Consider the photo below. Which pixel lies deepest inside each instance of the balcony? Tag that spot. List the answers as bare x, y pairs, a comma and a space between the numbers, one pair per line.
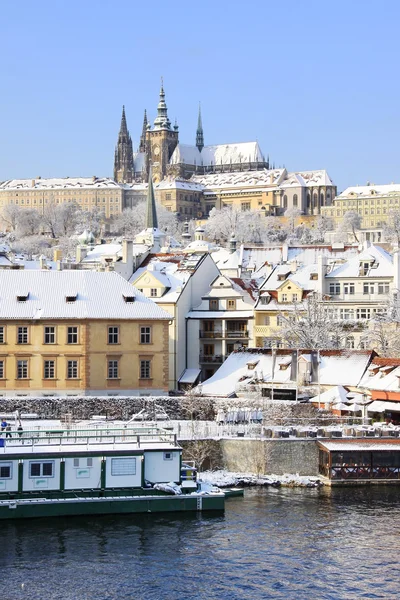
218, 334
213, 358
262, 330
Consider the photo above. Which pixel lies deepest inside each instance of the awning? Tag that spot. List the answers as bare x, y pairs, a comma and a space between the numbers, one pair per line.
190, 376
381, 406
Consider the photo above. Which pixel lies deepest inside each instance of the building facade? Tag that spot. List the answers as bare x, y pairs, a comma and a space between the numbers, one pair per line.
79, 333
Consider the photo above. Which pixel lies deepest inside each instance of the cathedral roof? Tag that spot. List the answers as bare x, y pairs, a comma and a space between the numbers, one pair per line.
215, 155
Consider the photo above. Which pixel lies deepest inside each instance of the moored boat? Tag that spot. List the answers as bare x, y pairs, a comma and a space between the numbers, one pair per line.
97, 471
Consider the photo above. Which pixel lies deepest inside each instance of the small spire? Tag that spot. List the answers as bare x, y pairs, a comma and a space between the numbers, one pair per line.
151, 210
124, 127
199, 132
142, 144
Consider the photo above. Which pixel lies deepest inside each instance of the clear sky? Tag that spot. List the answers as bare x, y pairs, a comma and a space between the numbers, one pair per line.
316, 82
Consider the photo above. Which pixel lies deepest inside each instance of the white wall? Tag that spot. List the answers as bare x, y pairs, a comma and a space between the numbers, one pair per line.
10, 485
124, 480
82, 477
159, 470
41, 483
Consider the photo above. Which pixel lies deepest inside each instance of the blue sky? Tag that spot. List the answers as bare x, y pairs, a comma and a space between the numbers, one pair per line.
316, 82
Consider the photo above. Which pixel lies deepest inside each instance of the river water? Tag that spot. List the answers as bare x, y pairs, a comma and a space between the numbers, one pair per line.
274, 543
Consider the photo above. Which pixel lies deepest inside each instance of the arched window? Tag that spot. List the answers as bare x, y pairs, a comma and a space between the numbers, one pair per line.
308, 200
295, 200
315, 199
285, 201
322, 199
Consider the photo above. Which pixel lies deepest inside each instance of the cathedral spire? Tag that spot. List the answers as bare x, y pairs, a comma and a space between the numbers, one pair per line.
161, 121
151, 210
123, 158
199, 132
142, 145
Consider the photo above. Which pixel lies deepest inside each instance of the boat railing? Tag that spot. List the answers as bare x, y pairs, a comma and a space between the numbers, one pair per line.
86, 436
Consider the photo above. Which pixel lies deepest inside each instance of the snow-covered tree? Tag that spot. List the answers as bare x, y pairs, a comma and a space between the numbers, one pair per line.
10, 216
351, 222
311, 324
248, 226
292, 214
391, 228
32, 245
132, 220
29, 222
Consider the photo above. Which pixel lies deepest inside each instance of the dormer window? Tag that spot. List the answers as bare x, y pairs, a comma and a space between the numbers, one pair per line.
71, 298
129, 299
22, 297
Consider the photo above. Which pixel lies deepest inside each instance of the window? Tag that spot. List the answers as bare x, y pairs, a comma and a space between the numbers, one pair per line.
168, 196
285, 201
145, 335
22, 369
113, 369
295, 200
83, 462
368, 288
22, 335
284, 298
113, 335
280, 321
213, 304
41, 469
168, 456
145, 369
363, 313
246, 206
295, 298
49, 335
231, 304
2, 336
347, 314
123, 466
153, 292
315, 199
267, 320
1, 369
49, 369
348, 288
349, 342
5, 470
334, 289
72, 335
72, 369
383, 288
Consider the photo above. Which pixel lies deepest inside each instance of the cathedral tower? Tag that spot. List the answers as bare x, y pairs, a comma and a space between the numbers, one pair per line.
123, 159
161, 141
199, 133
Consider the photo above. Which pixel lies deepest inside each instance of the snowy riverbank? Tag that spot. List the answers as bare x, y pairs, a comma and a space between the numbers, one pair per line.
224, 479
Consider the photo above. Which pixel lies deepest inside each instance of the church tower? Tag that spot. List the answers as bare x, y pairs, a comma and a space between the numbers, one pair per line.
123, 159
142, 144
162, 140
199, 133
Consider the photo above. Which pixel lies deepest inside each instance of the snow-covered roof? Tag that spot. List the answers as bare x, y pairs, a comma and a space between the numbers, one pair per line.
216, 155
189, 375
114, 251
381, 264
301, 278
170, 183
201, 246
307, 179
355, 445
336, 368
367, 191
382, 377
98, 296
329, 396
59, 183
263, 177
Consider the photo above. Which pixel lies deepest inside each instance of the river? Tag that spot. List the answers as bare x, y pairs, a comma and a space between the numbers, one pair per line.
273, 543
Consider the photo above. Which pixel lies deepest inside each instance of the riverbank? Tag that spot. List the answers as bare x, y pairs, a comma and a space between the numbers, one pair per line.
224, 479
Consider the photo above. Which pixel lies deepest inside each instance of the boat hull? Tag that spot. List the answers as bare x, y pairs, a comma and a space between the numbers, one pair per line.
23, 509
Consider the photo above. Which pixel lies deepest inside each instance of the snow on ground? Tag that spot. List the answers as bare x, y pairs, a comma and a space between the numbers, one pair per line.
228, 479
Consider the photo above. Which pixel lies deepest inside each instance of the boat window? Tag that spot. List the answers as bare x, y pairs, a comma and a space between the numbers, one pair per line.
123, 466
41, 469
5, 470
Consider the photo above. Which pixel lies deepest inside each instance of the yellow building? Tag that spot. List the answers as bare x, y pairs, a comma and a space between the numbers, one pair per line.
79, 333
88, 192
372, 202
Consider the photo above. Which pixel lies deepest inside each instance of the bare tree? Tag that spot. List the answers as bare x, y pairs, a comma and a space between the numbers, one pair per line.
10, 215
391, 227
29, 222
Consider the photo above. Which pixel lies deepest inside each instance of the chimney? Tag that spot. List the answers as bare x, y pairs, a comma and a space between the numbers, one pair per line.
81, 252
59, 265
33, 183
396, 269
321, 270
57, 254
232, 243
293, 266
284, 253
42, 262
127, 251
